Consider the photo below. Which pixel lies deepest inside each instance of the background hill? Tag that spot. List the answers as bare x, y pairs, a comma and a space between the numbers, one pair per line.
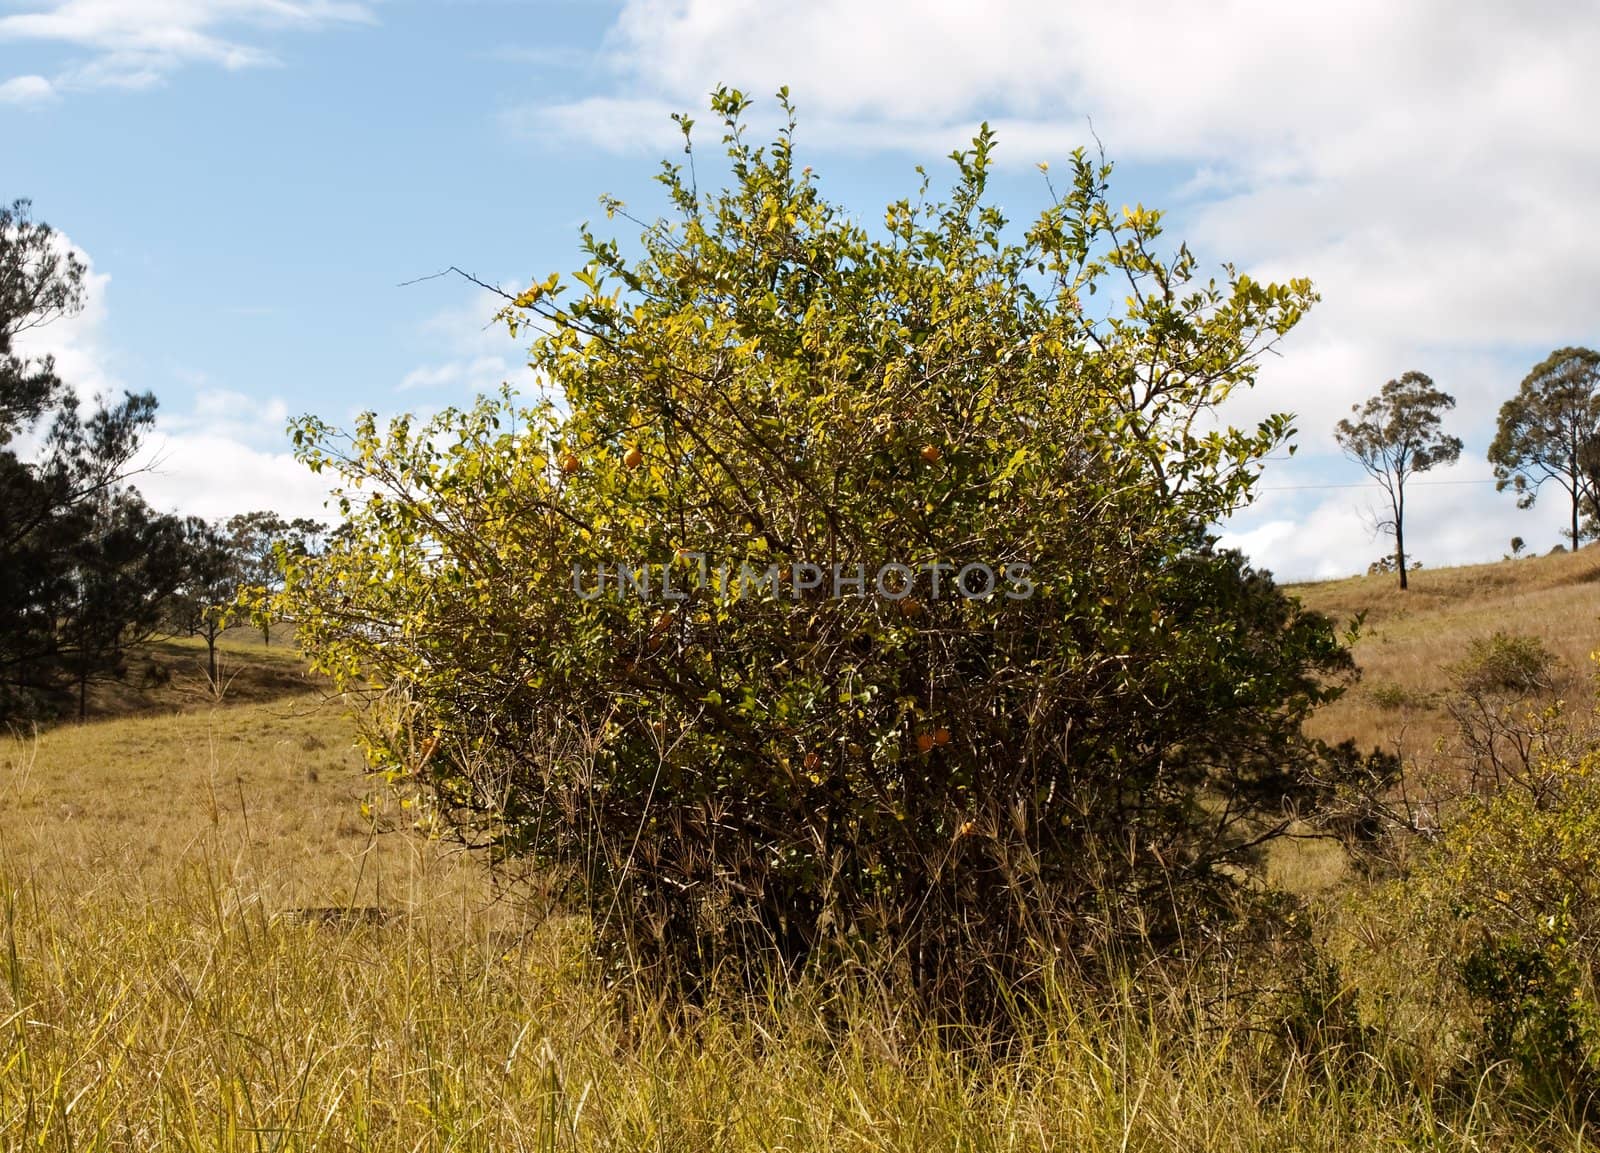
1409, 639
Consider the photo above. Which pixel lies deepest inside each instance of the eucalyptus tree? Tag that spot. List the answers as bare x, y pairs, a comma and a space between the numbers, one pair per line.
1395, 435
1550, 430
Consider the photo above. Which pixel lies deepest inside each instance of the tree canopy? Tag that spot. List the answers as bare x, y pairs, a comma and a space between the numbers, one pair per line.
40, 281
1550, 430
1395, 435
87, 564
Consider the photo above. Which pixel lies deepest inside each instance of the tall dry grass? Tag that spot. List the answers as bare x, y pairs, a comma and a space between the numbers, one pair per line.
1410, 639
157, 993
183, 1016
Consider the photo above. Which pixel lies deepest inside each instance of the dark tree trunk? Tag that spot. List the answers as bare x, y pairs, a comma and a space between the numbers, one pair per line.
1400, 539
1575, 489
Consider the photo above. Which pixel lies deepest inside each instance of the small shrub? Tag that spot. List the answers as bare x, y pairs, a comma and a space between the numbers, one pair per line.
1387, 564
1508, 903
1535, 1012
1506, 663
1321, 1018
1507, 716
1392, 696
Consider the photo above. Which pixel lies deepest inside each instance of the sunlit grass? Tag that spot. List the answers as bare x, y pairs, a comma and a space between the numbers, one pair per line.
1410, 638
156, 993
184, 1016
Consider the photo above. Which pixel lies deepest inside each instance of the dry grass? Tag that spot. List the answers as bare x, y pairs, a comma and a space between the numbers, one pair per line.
154, 996
170, 675
271, 796
1410, 638
181, 1016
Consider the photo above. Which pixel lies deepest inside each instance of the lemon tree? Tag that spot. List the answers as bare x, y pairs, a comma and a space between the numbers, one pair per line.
855, 592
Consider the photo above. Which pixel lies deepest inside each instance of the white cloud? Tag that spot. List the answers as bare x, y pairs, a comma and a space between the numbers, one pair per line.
226, 453
215, 475
432, 376
482, 374
477, 352
1161, 78
26, 90
610, 123
622, 125
138, 43
1429, 165
542, 55
1330, 529
223, 413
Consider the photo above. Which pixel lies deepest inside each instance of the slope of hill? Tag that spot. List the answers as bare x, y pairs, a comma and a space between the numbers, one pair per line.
1409, 639
261, 780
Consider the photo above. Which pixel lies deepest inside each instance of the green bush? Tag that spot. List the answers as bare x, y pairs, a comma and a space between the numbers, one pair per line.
1392, 696
970, 786
1505, 663
1509, 904
1507, 716
1535, 1012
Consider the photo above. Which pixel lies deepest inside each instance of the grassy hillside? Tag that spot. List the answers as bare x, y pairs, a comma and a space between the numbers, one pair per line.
157, 990
169, 675
1411, 638
261, 782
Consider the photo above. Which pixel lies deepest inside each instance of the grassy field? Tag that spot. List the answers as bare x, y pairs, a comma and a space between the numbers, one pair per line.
1410, 638
264, 784
162, 985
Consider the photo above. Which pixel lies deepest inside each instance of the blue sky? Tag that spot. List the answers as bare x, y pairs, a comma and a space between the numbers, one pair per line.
252, 180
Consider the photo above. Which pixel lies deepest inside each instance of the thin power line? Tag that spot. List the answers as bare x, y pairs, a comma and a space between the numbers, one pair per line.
1366, 484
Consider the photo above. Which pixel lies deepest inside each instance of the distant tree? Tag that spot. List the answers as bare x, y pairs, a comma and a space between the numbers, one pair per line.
84, 559
306, 537
213, 578
122, 573
1550, 430
1395, 435
255, 537
263, 542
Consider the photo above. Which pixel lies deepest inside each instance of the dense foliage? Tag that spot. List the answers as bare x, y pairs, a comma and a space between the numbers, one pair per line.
1550, 430
1508, 907
767, 768
87, 566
